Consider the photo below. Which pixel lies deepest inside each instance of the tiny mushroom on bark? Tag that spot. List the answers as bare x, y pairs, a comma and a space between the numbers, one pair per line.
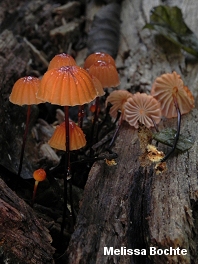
24, 93
39, 175
175, 99
142, 108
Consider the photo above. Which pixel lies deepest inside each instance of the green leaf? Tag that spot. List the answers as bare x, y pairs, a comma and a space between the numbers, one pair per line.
168, 21
167, 136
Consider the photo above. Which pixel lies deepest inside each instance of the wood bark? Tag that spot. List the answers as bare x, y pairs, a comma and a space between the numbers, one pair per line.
127, 205
24, 238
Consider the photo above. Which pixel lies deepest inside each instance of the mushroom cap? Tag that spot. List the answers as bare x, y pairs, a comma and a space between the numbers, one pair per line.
60, 60
39, 175
98, 56
76, 137
117, 98
165, 88
106, 73
142, 108
24, 91
97, 85
68, 85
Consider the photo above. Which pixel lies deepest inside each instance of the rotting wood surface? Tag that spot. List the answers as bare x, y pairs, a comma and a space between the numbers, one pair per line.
23, 237
130, 206
127, 205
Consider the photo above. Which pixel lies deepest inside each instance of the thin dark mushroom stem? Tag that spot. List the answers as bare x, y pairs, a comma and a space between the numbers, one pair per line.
23, 144
93, 138
72, 203
67, 167
119, 118
178, 131
155, 125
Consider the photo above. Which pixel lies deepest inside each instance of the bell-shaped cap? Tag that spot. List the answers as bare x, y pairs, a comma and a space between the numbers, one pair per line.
142, 108
98, 86
168, 87
117, 99
24, 91
60, 60
98, 56
76, 137
106, 73
67, 86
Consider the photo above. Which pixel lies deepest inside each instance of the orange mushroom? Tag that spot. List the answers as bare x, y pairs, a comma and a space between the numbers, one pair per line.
106, 73
39, 175
67, 86
77, 137
60, 60
175, 98
98, 56
142, 108
24, 93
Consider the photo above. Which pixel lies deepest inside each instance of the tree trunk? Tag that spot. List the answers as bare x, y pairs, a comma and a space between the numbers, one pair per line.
128, 205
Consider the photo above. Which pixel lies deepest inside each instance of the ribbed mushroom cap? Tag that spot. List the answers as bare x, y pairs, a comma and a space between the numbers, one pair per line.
39, 175
168, 86
97, 85
142, 108
24, 91
76, 137
67, 86
117, 99
98, 56
60, 60
106, 73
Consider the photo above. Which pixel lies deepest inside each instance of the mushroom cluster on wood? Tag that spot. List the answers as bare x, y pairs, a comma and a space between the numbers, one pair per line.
67, 86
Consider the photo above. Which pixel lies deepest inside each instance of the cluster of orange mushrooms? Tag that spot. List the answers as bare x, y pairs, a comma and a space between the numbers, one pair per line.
67, 84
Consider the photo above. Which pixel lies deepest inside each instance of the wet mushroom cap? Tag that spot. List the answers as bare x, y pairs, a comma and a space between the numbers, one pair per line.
117, 99
60, 60
67, 86
98, 56
106, 73
24, 91
142, 108
76, 137
39, 175
98, 86
169, 86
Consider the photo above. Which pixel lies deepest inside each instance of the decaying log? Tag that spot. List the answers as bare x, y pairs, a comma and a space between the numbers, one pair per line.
23, 237
127, 205
130, 206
